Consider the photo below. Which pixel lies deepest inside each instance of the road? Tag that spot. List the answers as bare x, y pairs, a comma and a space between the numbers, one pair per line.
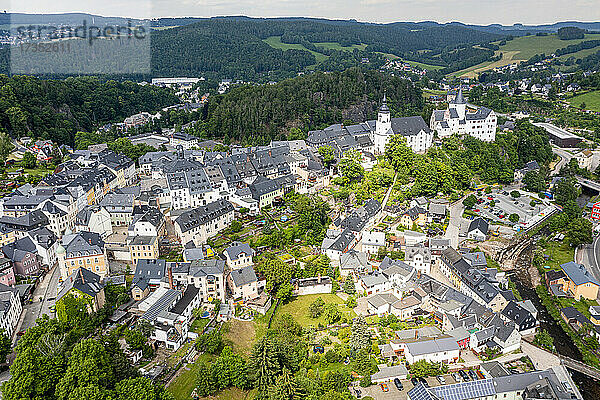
43, 298
565, 157
452, 231
589, 255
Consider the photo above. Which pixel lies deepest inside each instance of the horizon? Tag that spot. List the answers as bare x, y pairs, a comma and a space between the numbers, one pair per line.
469, 12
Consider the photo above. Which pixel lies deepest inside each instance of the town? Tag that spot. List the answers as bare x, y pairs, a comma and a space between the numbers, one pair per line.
298, 208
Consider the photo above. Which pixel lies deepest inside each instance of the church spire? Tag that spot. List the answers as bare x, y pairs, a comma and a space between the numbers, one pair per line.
384, 106
459, 99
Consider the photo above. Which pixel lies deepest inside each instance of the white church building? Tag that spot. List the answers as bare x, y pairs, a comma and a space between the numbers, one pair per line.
480, 124
419, 137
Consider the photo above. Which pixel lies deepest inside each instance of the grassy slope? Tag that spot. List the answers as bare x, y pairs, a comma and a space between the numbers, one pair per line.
275, 41
591, 100
523, 48
298, 308
337, 46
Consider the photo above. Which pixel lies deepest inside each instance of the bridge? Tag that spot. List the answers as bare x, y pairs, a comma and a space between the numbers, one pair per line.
543, 359
580, 367
595, 186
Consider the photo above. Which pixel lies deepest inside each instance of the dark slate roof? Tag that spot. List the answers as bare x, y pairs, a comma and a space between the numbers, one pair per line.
578, 273
520, 316
203, 214
83, 280
189, 295
409, 126
237, 248
459, 98
481, 113
262, 186
82, 244
479, 223
147, 270
243, 276
15, 251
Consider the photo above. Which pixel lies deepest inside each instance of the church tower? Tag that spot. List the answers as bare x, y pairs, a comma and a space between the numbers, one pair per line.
383, 127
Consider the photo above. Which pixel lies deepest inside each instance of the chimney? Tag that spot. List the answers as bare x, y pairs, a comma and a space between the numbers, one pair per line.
319, 279
170, 274
81, 274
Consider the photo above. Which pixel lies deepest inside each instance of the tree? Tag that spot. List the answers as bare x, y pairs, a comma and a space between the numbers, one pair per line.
514, 218
579, 232
470, 201
544, 339
534, 181
349, 287
327, 155
6, 146
205, 385
269, 357
360, 336
423, 368
399, 155
29, 161
316, 308
332, 313
141, 388
211, 343
515, 194
285, 387
5, 346
89, 364
350, 167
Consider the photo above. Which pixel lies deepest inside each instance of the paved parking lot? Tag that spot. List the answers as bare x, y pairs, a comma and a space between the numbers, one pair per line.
506, 205
393, 393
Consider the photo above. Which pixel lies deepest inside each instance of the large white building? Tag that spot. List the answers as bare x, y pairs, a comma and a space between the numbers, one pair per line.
418, 135
480, 124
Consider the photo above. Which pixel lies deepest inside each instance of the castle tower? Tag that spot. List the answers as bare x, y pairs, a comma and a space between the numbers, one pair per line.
459, 104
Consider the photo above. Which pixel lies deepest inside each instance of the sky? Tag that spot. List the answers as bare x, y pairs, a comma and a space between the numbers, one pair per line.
480, 12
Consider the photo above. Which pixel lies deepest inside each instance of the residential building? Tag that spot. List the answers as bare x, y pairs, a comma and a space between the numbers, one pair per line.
201, 223
82, 250
243, 283
580, 282
83, 285
372, 242
143, 247
239, 255
444, 350
10, 309
24, 257
478, 229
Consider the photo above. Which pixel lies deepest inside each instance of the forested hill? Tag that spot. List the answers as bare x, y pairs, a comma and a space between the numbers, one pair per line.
259, 114
57, 109
236, 47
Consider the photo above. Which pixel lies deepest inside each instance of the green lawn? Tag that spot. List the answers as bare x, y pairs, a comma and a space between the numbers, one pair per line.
275, 41
528, 46
580, 54
582, 306
559, 253
591, 100
183, 385
337, 46
298, 308
429, 67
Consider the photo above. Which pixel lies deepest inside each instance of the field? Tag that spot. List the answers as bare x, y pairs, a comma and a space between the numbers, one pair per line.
591, 100
337, 46
523, 48
559, 252
275, 41
241, 334
429, 67
298, 308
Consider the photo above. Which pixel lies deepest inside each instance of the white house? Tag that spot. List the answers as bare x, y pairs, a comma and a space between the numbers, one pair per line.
239, 255
372, 242
444, 350
478, 229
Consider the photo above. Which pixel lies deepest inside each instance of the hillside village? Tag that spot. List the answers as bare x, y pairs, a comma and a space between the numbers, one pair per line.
182, 242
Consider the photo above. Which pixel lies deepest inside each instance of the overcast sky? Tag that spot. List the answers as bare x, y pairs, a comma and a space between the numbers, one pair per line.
505, 12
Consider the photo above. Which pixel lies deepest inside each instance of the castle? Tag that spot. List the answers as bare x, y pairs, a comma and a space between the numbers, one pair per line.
480, 124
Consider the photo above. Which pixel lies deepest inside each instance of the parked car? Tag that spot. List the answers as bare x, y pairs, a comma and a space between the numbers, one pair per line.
414, 381
398, 384
456, 377
472, 375
384, 387
424, 382
441, 379
464, 375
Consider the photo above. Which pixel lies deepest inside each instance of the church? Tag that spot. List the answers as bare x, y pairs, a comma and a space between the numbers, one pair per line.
418, 135
480, 124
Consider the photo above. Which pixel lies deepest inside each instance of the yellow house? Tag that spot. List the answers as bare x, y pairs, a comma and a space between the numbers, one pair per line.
143, 247
414, 215
580, 283
82, 250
